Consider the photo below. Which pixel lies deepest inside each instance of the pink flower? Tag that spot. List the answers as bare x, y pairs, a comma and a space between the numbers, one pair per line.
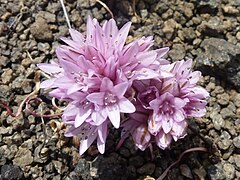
109, 102
141, 137
100, 77
168, 109
94, 74
87, 133
163, 140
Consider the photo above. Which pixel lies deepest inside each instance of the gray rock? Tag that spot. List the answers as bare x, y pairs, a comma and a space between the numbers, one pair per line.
227, 112
3, 28
236, 100
136, 161
41, 30
237, 160
60, 167
132, 172
218, 121
49, 17
189, 34
216, 172
219, 52
161, 7
23, 157
144, 13
6, 131
225, 141
236, 142
44, 47
214, 27
169, 28
228, 9
177, 52
223, 99
112, 167
230, 127
4, 61
186, 171
234, 2
83, 169
147, 169
125, 152
208, 3
223, 57
6, 76
229, 171
11, 172
200, 173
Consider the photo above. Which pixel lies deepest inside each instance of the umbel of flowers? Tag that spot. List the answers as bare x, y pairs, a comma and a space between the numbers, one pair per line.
101, 77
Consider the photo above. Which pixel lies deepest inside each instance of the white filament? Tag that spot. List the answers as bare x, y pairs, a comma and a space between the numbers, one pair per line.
65, 13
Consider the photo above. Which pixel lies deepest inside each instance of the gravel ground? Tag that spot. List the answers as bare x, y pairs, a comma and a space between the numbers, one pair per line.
208, 31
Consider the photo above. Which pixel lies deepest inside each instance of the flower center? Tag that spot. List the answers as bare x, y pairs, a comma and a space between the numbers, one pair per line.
166, 108
109, 99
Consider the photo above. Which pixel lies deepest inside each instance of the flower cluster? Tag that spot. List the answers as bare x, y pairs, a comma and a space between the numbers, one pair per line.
100, 77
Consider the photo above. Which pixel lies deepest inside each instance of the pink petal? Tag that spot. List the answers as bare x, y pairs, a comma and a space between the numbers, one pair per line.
194, 77
100, 146
100, 39
96, 98
163, 140
178, 116
106, 85
64, 82
125, 106
110, 28
162, 51
69, 67
74, 88
167, 125
82, 115
102, 132
178, 129
70, 110
73, 44
49, 68
145, 73
49, 83
114, 115
77, 36
72, 131
57, 93
99, 116
90, 29
179, 103
154, 126
141, 137
84, 144
120, 89
147, 58
129, 54
122, 36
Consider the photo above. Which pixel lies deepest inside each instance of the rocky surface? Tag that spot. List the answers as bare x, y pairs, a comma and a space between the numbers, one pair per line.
205, 30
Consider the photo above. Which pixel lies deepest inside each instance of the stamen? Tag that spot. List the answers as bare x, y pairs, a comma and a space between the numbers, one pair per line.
109, 99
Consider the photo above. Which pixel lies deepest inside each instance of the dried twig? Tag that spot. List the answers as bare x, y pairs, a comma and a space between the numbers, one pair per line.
27, 99
106, 7
54, 105
36, 114
180, 158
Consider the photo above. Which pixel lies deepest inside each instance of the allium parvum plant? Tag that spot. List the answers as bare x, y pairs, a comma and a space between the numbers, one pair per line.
100, 77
